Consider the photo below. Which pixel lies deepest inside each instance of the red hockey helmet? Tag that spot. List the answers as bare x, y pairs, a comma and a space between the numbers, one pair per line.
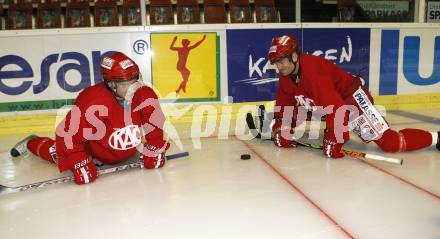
119, 67
282, 46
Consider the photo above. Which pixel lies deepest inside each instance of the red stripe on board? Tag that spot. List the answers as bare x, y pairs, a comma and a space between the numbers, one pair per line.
298, 190
401, 179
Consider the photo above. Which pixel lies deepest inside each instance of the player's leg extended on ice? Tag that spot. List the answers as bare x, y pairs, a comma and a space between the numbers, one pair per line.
393, 141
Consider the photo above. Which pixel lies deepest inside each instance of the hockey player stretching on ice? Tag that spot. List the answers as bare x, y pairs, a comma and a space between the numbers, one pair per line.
316, 84
106, 123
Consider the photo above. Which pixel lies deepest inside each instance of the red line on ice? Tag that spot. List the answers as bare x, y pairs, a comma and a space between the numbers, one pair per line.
296, 188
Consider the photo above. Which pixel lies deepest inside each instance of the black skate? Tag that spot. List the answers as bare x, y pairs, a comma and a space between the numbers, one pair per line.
21, 147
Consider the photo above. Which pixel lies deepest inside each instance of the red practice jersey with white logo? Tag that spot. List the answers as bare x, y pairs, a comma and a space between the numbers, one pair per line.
98, 126
320, 83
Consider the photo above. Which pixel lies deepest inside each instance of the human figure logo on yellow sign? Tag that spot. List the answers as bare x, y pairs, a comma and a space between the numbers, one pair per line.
183, 53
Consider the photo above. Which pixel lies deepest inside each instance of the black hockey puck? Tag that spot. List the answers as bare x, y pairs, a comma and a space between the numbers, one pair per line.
14, 153
245, 157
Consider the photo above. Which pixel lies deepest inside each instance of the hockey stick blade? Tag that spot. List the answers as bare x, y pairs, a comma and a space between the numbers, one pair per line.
6, 190
251, 125
261, 116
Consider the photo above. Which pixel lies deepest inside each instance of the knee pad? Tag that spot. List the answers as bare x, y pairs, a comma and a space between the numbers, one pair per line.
392, 141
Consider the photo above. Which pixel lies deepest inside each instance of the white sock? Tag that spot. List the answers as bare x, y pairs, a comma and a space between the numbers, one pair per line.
434, 138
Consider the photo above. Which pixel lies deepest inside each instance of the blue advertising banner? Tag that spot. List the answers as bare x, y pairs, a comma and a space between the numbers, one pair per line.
348, 48
250, 75
252, 78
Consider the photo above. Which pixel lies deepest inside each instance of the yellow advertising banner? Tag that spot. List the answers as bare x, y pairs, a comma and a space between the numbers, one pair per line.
186, 66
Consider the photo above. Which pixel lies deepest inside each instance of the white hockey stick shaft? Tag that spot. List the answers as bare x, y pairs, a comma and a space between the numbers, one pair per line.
382, 158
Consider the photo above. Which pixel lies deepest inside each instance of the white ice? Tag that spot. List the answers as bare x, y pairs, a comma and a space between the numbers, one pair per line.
278, 193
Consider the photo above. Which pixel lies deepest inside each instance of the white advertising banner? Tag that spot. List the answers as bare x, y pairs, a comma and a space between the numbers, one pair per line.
405, 61
433, 12
419, 61
54, 67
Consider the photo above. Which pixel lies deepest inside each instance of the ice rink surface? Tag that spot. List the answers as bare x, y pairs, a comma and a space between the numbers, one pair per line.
278, 193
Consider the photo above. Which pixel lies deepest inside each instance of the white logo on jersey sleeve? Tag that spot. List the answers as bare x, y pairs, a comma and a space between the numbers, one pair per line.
125, 138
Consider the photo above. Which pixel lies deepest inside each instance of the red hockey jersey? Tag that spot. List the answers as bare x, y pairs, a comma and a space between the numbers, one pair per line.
319, 83
98, 126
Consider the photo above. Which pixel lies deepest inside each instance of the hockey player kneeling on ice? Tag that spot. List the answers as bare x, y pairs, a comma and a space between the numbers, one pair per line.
312, 83
107, 122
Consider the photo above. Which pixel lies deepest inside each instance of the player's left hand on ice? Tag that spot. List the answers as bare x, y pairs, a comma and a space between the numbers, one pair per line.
332, 149
153, 154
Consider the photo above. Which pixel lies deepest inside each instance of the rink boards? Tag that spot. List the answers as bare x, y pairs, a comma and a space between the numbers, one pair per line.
41, 71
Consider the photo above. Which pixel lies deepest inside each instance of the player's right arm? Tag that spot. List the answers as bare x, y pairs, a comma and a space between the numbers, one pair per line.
71, 144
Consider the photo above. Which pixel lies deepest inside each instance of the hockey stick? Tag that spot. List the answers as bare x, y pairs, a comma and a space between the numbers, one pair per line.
6, 190
351, 153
